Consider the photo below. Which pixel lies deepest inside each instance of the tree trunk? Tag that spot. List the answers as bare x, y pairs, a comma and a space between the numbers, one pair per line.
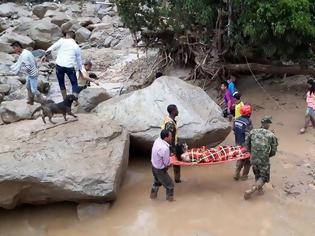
270, 69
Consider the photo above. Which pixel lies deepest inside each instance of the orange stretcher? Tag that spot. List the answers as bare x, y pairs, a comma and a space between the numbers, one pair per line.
221, 156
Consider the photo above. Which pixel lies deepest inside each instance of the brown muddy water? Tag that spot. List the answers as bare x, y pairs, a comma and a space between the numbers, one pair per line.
208, 202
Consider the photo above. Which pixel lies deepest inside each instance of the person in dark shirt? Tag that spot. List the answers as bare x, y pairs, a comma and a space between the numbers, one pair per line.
242, 126
170, 124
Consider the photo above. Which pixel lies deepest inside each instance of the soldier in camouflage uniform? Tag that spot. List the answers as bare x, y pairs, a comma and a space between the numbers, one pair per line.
171, 125
262, 144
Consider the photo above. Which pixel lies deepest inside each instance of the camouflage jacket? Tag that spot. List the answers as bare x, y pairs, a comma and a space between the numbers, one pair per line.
262, 144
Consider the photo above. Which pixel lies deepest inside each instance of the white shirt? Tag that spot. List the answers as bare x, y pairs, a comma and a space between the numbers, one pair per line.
69, 53
27, 61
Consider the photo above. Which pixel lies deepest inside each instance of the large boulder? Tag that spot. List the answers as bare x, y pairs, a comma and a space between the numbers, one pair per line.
89, 98
44, 33
200, 120
11, 37
13, 111
82, 35
4, 89
80, 161
8, 9
12, 81
57, 17
6, 47
41, 9
6, 58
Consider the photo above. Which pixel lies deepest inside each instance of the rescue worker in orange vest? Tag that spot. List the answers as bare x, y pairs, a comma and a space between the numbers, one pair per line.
170, 124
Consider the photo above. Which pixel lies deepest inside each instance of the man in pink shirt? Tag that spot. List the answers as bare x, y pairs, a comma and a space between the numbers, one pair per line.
160, 159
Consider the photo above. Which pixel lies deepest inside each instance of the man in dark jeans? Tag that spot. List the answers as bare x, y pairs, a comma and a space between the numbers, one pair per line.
170, 124
68, 57
160, 159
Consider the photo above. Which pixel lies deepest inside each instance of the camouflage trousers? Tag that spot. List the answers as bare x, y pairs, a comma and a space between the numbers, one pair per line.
262, 171
243, 164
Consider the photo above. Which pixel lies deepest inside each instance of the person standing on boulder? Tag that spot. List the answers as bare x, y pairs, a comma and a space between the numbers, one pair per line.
68, 57
229, 109
27, 60
160, 159
170, 124
262, 144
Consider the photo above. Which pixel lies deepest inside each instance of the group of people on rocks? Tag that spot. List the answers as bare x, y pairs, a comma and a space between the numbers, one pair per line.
261, 143
68, 62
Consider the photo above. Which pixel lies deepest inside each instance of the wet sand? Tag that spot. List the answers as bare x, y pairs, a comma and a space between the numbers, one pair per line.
208, 202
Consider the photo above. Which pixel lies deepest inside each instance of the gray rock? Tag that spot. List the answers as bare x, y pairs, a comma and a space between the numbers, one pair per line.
5, 89
101, 26
82, 35
114, 42
8, 9
13, 111
108, 41
1, 99
12, 81
96, 36
86, 21
89, 98
19, 94
57, 17
87, 210
44, 33
6, 58
125, 43
41, 9
10, 37
39, 167
67, 25
200, 120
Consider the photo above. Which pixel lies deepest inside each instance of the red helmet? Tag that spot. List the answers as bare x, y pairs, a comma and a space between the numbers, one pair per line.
246, 110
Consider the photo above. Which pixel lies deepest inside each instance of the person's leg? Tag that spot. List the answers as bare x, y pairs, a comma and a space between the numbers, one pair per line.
33, 81
263, 176
167, 183
60, 72
73, 79
177, 174
30, 95
307, 121
246, 165
239, 166
156, 184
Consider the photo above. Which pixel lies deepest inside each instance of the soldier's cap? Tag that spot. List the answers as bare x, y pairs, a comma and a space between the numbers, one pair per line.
266, 120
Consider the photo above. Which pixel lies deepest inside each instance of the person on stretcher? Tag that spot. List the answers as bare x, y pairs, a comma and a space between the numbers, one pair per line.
207, 155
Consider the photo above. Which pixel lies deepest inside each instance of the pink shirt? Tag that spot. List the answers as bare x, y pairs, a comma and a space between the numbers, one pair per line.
310, 100
160, 156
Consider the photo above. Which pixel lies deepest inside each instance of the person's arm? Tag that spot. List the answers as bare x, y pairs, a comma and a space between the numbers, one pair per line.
273, 145
86, 76
16, 67
165, 153
54, 47
78, 58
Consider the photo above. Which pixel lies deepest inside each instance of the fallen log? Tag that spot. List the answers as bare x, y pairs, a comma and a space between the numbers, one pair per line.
270, 69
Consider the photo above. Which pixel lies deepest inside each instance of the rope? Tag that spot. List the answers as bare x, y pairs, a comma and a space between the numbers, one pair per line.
260, 85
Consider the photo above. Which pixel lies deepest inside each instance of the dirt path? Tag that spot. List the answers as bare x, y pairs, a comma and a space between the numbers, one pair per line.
208, 202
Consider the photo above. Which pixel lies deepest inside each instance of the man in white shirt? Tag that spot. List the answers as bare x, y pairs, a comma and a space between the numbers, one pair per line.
27, 61
68, 57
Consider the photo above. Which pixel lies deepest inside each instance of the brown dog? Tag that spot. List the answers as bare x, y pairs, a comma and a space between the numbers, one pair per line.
51, 108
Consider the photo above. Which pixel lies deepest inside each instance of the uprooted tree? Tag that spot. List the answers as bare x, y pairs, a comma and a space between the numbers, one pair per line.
227, 36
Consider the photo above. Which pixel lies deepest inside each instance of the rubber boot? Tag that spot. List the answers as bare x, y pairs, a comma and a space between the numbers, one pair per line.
177, 174
30, 97
170, 195
63, 93
259, 184
154, 193
236, 177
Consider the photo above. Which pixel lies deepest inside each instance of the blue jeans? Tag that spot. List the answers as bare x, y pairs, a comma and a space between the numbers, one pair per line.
31, 84
70, 72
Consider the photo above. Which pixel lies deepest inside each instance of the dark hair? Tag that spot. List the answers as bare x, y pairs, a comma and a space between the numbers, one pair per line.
237, 95
16, 44
70, 34
310, 82
158, 74
312, 88
164, 133
171, 108
225, 83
